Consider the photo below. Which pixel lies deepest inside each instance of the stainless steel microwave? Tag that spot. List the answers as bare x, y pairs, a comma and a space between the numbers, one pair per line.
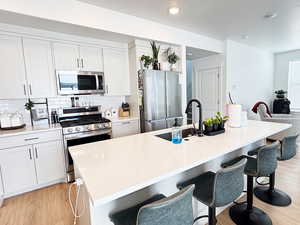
80, 82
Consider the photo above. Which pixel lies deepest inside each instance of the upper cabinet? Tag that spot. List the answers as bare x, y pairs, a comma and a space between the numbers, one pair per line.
39, 68
12, 70
91, 58
116, 71
75, 57
66, 56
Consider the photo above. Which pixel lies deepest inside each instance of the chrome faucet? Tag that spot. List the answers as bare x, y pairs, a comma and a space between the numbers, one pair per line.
188, 109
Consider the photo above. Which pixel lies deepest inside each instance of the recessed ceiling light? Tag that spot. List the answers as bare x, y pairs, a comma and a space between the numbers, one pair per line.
245, 37
174, 10
270, 15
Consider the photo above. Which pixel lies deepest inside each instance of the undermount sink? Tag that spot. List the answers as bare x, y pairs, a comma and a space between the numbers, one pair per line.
185, 134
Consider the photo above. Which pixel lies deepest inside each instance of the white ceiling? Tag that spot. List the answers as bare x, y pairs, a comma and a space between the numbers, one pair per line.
222, 19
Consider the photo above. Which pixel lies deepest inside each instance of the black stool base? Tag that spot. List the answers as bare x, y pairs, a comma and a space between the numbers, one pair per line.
241, 216
272, 197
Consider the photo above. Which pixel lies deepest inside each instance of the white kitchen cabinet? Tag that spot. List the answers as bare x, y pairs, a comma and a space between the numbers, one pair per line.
91, 58
12, 70
116, 72
125, 128
39, 68
17, 169
66, 56
49, 160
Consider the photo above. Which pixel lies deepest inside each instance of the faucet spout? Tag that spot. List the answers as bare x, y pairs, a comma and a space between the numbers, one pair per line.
188, 109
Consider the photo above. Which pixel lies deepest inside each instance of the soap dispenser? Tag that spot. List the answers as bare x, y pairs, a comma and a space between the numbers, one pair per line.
176, 133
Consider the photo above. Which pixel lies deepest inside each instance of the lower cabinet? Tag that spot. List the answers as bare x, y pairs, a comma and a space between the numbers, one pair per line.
28, 167
17, 169
125, 128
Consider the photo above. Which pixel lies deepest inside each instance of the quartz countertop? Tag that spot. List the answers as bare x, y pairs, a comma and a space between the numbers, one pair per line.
114, 168
30, 129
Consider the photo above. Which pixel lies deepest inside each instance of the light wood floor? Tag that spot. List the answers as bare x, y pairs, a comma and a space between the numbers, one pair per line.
49, 206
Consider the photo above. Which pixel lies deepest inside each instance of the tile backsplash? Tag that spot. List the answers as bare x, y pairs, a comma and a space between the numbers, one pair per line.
107, 102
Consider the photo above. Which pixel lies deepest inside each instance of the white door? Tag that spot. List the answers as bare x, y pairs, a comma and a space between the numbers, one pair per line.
12, 69
39, 68
116, 72
207, 90
17, 169
49, 158
66, 56
91, 58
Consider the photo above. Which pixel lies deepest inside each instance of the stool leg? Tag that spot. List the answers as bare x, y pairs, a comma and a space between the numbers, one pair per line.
247, 214
212, 220
271, 195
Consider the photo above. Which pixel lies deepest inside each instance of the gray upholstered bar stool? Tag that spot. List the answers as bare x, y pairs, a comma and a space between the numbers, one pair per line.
218, 189
270, 194
264, 164
176, 210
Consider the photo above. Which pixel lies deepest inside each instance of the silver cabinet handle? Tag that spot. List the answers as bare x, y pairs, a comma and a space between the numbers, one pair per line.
24, 88
124, 123
36, 153
78, 63
31, 139
106, 87
82, 63
30, 156
30, 90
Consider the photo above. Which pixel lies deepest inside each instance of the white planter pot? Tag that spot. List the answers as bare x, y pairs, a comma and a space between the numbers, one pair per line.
173, 67
165, 66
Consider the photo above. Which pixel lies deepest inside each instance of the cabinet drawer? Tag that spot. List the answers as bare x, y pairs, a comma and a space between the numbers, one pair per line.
125, 128
29, 139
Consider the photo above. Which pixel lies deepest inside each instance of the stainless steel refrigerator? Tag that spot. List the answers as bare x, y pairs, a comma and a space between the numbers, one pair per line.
160, 94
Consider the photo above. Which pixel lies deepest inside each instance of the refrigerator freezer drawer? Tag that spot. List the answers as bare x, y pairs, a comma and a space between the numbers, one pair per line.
155, 125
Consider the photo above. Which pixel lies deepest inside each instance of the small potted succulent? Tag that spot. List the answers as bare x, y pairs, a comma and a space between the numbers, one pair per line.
155, 52
146, 61
172, 58
208, 124
221, 120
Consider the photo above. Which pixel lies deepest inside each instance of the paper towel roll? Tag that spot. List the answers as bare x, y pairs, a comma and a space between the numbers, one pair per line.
234, 113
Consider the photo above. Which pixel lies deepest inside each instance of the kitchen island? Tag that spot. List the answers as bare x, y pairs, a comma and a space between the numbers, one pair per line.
121, 172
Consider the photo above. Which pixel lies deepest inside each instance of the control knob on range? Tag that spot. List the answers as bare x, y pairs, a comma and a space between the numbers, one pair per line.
77, 129
70, 130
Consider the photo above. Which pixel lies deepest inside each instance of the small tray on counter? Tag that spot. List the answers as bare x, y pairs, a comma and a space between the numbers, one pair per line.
13, 128
213, 133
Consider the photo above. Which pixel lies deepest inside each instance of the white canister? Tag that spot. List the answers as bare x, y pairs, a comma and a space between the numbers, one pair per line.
234, 114
114, 113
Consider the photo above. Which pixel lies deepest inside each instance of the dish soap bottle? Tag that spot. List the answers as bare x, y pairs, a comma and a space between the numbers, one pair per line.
176, 133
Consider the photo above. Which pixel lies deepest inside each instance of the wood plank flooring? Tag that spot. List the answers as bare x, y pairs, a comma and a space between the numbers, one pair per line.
50, 206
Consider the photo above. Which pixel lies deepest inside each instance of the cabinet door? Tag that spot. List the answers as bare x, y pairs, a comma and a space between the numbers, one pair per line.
116, 72
66, 56
91, 58
39, 68
12, 69
49, 159
17, 168
125, 128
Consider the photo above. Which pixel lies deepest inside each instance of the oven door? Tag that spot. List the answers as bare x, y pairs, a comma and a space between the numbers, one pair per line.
80, 139
74, 82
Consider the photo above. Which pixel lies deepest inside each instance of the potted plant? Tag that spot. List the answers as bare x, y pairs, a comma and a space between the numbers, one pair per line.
221, 120
215, 122
208, 124
280, 93
146, 60
172, 58
155, 52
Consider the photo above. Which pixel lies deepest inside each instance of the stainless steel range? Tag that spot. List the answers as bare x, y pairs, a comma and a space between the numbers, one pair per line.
82, 125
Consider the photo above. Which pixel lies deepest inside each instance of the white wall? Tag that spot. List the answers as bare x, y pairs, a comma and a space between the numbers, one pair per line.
87, 15
281, 68
249, 72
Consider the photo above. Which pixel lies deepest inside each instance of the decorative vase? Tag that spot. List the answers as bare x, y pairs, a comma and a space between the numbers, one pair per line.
155, 64
208, 129
173, 67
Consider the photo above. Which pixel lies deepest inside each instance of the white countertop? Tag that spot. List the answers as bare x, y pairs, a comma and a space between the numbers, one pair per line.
29, 129
114, 168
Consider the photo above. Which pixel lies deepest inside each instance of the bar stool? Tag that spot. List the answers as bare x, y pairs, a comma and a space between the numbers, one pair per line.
270, 194
218, 189
264, 164
176, 210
